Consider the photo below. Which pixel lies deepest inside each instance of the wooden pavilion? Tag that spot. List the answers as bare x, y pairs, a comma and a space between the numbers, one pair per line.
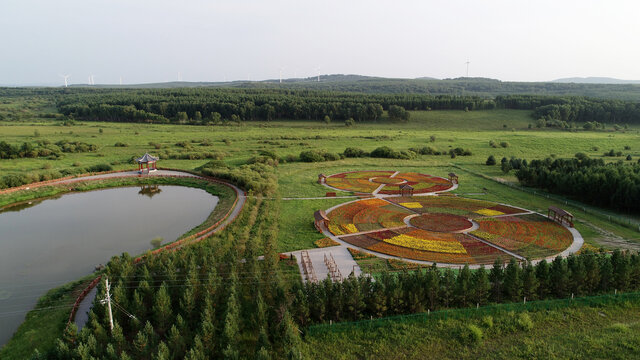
148, 160
322, 178
406, 190
320, 220
562, 216
453, 178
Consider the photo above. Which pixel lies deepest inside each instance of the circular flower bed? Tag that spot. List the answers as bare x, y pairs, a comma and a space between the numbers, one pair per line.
439, 222
387, 180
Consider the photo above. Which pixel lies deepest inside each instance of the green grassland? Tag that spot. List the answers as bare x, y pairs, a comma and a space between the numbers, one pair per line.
238, 143
579, 332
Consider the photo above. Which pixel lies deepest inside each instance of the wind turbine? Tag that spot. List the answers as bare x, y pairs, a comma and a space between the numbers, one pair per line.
120, 80
318, 69
467, 67
91, 81
66, 80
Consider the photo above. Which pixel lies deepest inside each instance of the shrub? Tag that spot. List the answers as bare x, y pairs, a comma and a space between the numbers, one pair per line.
629, 157
491, 160
388, 153
99, 168
398, 113
349, 122
627, 147
493, 144
432, 138
470, 335
504, 144
524, 321
352, 152
157, 241
327, 119
487, 321
318, 156
581, 156
120, 144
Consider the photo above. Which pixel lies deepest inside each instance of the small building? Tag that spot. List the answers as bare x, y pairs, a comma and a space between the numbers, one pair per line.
148, 160
406, 190
322, 178
320, 220
562, 216
453, 178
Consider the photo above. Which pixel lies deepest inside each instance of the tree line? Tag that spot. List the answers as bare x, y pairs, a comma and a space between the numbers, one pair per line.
574, 109
614, 185
202, 106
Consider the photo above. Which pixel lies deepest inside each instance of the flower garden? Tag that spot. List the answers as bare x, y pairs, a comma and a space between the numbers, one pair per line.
387, 182
442, 228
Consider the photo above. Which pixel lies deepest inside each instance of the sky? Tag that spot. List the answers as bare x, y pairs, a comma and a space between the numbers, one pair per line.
142, 41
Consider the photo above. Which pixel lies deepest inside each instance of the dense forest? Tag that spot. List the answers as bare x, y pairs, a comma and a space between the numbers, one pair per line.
614, 185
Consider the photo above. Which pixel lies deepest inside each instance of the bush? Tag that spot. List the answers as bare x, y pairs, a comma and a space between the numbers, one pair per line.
99, 168
504, 144
524, 322
629, 157
432, 138
426, 150
120, 144
493, 144
318, 156
388, 153
398, 113
491, 160
581, 156
349, 122
352, 152
470, 335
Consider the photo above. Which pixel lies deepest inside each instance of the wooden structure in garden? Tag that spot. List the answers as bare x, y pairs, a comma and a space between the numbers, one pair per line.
322, 178
406, 190
149, 190
320, 220
334, 271
148, 160
453, 178
561, 216
307, 267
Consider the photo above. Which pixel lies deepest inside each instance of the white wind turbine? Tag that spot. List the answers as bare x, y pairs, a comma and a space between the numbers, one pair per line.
66, 80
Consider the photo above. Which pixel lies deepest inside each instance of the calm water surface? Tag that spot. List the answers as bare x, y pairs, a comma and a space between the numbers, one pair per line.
54, 241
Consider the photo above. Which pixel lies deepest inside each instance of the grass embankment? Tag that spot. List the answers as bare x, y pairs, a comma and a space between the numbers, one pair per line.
577, 332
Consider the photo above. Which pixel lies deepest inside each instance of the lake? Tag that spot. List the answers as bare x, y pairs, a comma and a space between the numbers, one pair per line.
53, 241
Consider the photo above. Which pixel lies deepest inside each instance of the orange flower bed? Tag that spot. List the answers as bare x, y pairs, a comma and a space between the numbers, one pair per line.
369, 181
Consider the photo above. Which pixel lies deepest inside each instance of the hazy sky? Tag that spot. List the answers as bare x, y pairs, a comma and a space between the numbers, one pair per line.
154, 40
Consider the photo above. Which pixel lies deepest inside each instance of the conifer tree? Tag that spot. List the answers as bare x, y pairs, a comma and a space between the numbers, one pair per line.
542, 274
447, 286
496, 278
529, 282
558, 277
162, 353
162, 309
591, 272
480, 286
463, 287
512, 281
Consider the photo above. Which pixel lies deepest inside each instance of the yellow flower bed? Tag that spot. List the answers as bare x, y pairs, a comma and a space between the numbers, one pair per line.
450, 247
412, 205
349, 228
335, 229
489, 212
373, 202
485, 235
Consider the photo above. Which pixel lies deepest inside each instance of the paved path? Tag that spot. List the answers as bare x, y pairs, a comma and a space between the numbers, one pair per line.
82, 314
341, 255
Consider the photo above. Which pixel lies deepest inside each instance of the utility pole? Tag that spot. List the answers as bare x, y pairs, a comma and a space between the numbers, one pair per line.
108, 301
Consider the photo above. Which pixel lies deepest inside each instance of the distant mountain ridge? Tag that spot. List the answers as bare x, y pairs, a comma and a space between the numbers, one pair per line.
595, 80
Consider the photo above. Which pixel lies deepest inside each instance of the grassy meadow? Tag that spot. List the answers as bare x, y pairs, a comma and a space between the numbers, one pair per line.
236, 144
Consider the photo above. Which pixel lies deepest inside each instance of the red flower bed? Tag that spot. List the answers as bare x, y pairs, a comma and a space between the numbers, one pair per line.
441, 222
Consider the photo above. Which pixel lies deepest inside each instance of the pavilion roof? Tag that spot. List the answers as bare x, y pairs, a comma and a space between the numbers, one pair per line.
406, 186
147, 158
452, 174
559, 211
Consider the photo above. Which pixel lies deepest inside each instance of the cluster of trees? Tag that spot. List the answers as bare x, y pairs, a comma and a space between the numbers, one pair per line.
44, 148
211, 105
432, 288
201, 302
560, 111
614, 185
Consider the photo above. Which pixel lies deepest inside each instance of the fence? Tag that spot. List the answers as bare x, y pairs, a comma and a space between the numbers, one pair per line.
334, 271
474, 312
620, 220
81, 297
